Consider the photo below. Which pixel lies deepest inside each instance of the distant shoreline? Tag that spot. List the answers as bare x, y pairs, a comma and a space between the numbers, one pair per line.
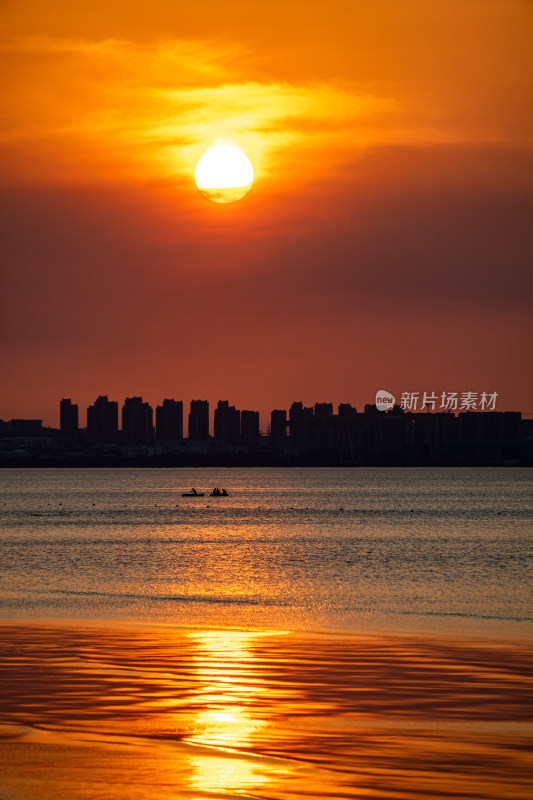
151, 463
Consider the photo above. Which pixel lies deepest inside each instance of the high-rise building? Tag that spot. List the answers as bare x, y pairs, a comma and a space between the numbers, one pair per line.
300, 413
278, 429
300, 418
347, 410
227, 423
199, 420
102, 421
68, 417
250, 428
137, 422
296, 412
323, 410
169, 420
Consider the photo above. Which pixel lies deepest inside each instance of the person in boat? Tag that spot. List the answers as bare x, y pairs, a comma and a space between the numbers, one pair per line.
216, 492
193, 491
224, 493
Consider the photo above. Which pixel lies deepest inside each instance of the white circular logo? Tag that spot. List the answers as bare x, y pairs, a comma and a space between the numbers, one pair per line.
384, 400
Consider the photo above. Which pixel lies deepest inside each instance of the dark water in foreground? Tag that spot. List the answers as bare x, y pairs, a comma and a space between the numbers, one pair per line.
308, 549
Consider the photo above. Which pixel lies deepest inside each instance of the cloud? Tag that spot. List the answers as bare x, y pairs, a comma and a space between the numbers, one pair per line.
115, 109
152, 110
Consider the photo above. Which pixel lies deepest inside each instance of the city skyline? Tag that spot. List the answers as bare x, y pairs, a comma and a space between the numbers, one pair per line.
302, 436
445, 402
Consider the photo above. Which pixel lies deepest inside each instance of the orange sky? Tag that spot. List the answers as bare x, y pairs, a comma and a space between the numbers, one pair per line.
386, 240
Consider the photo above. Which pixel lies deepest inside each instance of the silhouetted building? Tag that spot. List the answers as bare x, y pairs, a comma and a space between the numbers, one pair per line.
396, 409
347, 434
169, 420
68, 418
24, 427
310, 436
300, 413
227, 423
199, 420
299, 419
489, 437
250, 428
296, 412
137, 422
278, 429
347, 410
102, 421
323, 410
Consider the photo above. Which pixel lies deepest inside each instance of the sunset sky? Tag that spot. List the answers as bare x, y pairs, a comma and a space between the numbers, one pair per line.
385, 243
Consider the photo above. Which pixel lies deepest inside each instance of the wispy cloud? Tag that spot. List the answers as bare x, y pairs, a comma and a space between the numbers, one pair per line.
160, 106
150, 110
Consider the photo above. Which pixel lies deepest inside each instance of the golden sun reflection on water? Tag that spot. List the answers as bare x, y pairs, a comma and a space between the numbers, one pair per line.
170, 714
224, 664
226, 775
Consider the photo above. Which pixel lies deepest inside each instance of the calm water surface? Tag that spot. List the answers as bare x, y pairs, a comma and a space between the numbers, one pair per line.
319, 634
308, 549
104, 714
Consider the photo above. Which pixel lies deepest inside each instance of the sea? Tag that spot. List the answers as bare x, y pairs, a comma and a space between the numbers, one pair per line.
317, 634
325, 549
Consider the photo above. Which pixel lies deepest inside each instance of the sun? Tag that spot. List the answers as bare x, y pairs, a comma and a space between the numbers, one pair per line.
224, 173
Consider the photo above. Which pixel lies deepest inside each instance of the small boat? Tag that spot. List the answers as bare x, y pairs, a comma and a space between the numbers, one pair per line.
192, 494
219, 495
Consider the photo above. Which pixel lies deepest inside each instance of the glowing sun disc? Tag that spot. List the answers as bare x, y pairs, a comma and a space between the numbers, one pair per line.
224, 173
